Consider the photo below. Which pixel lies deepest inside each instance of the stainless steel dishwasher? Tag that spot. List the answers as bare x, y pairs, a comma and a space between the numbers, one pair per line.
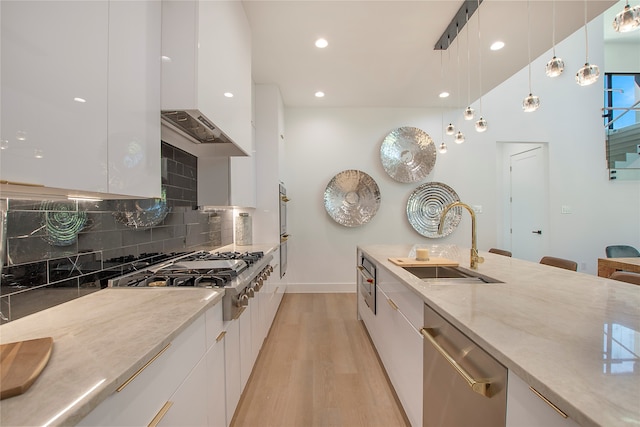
463, 385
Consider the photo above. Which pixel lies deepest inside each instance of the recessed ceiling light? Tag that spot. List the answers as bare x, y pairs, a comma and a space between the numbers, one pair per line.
322, 43
497, 45
228, 94
81, 100
444, 95
165, 58
319, 94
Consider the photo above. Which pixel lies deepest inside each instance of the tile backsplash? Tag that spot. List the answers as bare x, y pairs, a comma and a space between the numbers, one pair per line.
58, 251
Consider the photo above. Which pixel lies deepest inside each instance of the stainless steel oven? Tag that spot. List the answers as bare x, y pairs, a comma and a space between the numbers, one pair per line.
367, 282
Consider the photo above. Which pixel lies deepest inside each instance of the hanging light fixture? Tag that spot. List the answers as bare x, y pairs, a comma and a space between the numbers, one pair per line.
531, 102
628, 19
450, 129
443, 146
481, 124
469, 113
459, 138
588, 74
555, 66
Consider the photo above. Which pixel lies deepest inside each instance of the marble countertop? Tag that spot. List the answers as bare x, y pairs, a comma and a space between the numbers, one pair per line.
107, 334
561, 331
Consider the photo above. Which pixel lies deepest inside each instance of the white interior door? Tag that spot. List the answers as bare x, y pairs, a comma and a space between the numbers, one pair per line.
528, 205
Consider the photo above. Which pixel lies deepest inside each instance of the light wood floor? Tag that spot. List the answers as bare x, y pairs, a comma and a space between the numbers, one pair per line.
318, 367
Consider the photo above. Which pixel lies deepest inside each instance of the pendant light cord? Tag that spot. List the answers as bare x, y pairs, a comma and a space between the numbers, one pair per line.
479, 60
468, 62
553, 27
529, 41
586, 33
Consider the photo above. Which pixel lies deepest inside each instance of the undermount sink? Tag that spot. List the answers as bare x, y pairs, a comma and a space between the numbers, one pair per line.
452, 275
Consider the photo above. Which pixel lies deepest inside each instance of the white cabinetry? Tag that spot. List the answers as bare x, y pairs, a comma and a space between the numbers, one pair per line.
400, 343
526, 409
207, 45
233, 381
227, 181
80, 96
270, 140
143, 398
188, 405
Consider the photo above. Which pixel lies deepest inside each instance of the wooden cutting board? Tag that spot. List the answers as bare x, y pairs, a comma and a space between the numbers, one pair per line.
432, 262
20, 364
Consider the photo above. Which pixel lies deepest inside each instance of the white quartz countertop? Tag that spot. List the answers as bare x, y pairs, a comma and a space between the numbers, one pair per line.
561, 331
109, 335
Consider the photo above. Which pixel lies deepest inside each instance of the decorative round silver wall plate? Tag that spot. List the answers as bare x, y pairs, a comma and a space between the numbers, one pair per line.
352, 198
426, 204
408, 154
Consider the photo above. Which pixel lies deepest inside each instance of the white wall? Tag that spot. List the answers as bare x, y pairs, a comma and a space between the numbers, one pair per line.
322, 142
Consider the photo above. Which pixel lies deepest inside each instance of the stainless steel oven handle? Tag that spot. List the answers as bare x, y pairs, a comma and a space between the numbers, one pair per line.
364, 274
479, 386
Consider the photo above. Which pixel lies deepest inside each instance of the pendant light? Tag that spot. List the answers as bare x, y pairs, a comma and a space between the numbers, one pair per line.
531, 102
481, 124
450, 130
555, 66
628, 19
459, 138
469, 113
443, 146
588, 74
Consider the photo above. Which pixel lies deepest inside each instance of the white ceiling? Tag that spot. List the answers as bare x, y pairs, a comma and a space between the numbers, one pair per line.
381, 53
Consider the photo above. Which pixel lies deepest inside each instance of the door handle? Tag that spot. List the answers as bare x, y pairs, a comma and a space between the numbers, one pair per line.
537, 231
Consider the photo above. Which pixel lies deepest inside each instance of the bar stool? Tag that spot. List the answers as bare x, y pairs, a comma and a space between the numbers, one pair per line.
559, 262
500, 252
626, 276
621, 251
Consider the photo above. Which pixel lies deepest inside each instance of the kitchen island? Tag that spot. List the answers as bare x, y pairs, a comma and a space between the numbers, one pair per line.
549, 326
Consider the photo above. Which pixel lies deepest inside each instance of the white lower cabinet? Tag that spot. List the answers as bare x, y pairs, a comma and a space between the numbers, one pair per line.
233, 380
143, 398
216, 401
401, 352
246, 357
526, 409
188, 405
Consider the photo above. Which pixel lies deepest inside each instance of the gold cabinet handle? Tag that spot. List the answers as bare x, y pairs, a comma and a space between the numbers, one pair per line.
160, 415
239, 313
139, 371
548, 402
392, 304
220, 336
479, 386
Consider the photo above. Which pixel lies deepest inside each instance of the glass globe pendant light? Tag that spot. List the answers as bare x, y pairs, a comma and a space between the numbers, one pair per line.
555, 66
481, 123
588, 74
531, 102
450, 130
469, 112
628, 19
459, 138
443, 148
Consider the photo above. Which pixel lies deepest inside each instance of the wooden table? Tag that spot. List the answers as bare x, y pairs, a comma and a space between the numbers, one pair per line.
606, 266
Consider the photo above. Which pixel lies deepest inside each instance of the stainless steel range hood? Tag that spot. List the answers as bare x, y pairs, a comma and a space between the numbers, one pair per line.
193, 124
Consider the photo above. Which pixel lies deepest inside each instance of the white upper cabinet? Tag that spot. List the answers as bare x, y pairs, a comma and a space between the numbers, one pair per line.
134, 98
54, 93
206, 48
80, 101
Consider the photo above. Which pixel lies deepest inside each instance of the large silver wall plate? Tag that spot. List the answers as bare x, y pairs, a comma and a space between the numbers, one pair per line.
425, 206
352, 198
408, 154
